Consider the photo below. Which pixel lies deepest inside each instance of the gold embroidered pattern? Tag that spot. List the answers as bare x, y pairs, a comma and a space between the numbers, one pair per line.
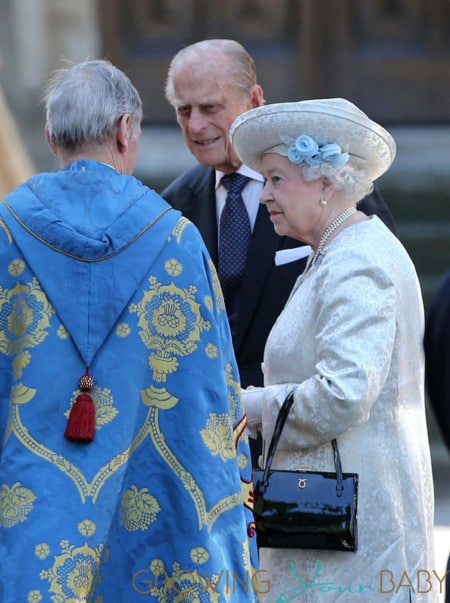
211, 350
234, 393
42, 550
74, 573
16, 267
205, 517
7, 231
123, 330
86, 489
216, 287
173, 267
24, 317
159, 397
242, 461
218, 436
199, 555
209, 302
20, 362
62, 332
139, 509
15, 504
180, 227
87, 527
171, 325
246, 556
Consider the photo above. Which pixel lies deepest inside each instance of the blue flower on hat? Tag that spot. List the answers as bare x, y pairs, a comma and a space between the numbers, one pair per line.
306, 150
332, 153
306, 145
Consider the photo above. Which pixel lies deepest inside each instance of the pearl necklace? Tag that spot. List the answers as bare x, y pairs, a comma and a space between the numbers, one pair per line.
330, 229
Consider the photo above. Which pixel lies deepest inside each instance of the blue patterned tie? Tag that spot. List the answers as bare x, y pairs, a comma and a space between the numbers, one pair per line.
234, 239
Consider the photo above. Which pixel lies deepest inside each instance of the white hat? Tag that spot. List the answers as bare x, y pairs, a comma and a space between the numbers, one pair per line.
272, 128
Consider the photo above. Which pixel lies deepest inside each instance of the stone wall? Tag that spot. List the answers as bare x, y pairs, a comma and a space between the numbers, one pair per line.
36, 36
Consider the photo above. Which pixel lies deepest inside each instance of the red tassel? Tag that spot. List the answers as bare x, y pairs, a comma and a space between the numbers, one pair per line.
81, 422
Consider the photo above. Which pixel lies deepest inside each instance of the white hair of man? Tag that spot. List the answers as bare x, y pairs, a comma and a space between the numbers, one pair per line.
85, 102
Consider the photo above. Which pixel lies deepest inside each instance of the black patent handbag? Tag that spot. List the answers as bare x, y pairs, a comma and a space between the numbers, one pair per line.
305, 509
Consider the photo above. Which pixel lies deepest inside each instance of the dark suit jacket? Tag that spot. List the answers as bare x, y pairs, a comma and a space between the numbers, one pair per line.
265, 286
437, 356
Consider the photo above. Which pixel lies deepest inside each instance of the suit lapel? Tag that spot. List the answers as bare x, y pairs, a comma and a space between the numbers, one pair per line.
201, 210
263, 245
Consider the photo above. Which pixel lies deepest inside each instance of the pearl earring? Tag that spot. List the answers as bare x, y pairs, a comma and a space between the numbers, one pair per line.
323, 202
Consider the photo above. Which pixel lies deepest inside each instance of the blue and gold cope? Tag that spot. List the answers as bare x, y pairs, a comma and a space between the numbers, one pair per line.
97, 270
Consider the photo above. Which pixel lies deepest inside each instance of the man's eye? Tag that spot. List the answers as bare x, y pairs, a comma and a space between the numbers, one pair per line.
211, 108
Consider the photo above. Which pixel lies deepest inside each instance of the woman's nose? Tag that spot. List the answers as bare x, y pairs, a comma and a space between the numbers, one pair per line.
264, 194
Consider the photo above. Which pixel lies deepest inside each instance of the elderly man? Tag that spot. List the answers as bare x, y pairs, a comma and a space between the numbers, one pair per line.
209, 84
124, 466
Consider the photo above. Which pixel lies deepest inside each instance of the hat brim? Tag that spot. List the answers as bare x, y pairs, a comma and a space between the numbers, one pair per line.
265, 129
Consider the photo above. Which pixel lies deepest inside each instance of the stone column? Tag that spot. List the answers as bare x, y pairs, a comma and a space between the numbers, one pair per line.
37, 37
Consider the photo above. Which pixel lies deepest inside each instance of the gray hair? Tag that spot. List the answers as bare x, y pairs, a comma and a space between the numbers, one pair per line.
241, 66
347, 178
85, 102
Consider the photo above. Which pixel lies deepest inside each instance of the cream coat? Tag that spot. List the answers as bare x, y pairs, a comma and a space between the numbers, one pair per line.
350, 342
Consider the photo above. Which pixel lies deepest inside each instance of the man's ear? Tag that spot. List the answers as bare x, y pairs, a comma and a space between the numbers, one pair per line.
123, 132
256, 96
49, 142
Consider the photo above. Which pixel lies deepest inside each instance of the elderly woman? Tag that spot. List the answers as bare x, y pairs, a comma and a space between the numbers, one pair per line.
349, 345
124, 461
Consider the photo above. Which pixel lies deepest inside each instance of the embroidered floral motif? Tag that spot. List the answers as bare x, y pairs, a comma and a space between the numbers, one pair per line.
24, 317
42, 551
75, 572
242, 461
173, 267
16, 267
34, 596
139, 509
199, 555
211, 350
218, 436
123, 330
62, 332
157, 567
171, 325
15, 504
87, 527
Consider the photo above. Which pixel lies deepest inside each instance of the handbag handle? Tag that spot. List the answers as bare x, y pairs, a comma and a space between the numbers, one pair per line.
279, 424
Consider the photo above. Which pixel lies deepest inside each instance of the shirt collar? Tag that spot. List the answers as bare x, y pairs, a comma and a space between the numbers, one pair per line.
244, 170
